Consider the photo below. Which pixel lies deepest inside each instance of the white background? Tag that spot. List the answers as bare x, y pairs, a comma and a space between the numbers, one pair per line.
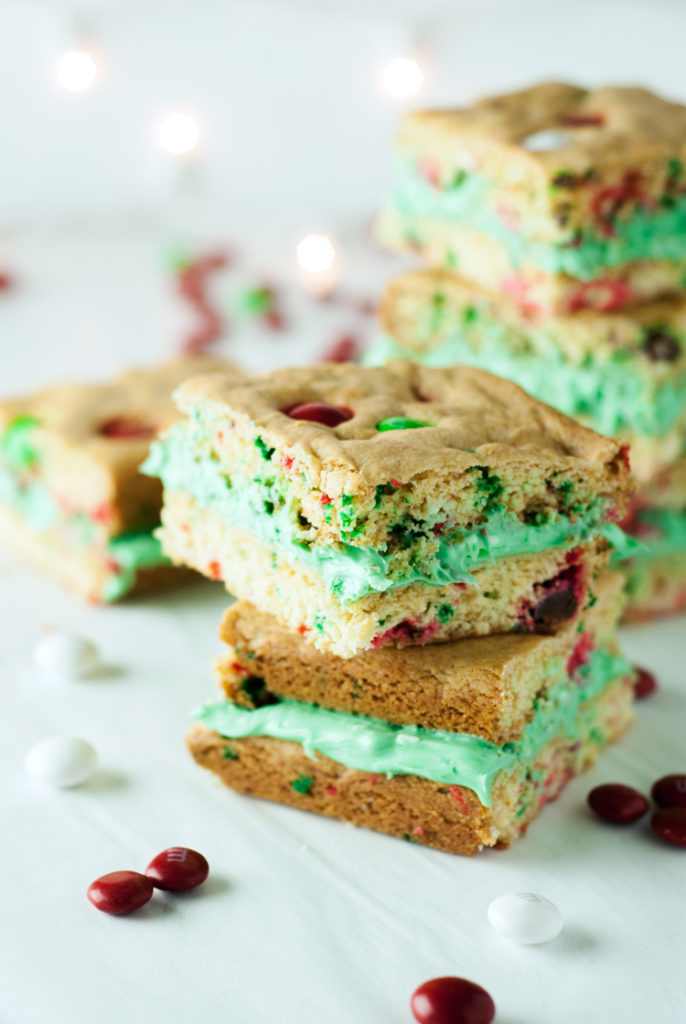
303, 920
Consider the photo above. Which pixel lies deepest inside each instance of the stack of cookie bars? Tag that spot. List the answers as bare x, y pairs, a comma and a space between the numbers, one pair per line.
554, 224
425, 637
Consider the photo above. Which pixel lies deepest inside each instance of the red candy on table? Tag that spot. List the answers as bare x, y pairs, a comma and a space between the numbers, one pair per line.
645, 684
452, 1001
617, 803
670, 791
320, 412
120, 892
177, 869
669, 823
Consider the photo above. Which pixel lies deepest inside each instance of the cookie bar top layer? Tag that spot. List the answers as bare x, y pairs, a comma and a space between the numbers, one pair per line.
84, 443
421, 449
617, 371
566, 155
486, 686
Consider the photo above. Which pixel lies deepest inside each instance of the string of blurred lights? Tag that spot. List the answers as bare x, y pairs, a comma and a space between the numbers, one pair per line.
178, 132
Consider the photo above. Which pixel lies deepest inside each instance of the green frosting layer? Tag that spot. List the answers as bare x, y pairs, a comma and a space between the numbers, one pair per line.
647, 235
39, 510
668, 538
351, 572
610, 396
371, 745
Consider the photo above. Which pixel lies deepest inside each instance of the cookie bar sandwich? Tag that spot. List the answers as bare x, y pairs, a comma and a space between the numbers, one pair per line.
562, 198
455, 745
71, 497
621, 373
371, 506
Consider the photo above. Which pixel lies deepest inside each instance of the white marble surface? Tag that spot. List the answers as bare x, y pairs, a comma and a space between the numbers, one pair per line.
303, 920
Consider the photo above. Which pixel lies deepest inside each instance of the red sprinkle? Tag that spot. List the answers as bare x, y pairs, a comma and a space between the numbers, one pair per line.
177, 869
670, 791
302, 628
120, 892
239, 668
395, 483
214, 571
330, 790
452, 1001
456, 794
274, 320
325, 499
618, 804
582, 120
344, 350
320, 412
126, 428
669, 823
646, 683
418, 831
430, 171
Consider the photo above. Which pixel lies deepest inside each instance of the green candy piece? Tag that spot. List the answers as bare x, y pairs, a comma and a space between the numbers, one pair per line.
17, 447
401, 423
302, 784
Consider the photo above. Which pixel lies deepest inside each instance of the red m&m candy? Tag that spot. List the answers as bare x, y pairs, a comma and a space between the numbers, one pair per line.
452, 1001
669, 823
177, 869
120, 892
126, 428
645, 684
320, 412
617, 803
670, 791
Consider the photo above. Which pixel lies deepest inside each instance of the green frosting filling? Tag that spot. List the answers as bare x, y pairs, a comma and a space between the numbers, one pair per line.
39, 510
349, 571
647, 235
611, 396
17, 446
371, 745
669, 537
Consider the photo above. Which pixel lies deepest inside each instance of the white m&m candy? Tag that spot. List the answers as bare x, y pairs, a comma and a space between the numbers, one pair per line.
61, 761
63, 655
525, 917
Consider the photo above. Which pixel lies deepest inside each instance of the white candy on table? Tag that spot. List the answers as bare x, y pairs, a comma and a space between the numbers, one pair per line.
64, 655
61, 761
525, 917
545, 141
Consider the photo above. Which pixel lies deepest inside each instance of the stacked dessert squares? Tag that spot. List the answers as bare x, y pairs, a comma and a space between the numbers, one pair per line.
425, 637
553, 224
71, 497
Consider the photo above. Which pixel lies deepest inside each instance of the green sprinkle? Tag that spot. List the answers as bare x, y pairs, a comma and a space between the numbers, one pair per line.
445, 612
401, 423
255, 301
229, 754
265, 451
302, 784
675, 168
269, 507
17, 447
437, 310
458, 178
469, 315
489, 486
